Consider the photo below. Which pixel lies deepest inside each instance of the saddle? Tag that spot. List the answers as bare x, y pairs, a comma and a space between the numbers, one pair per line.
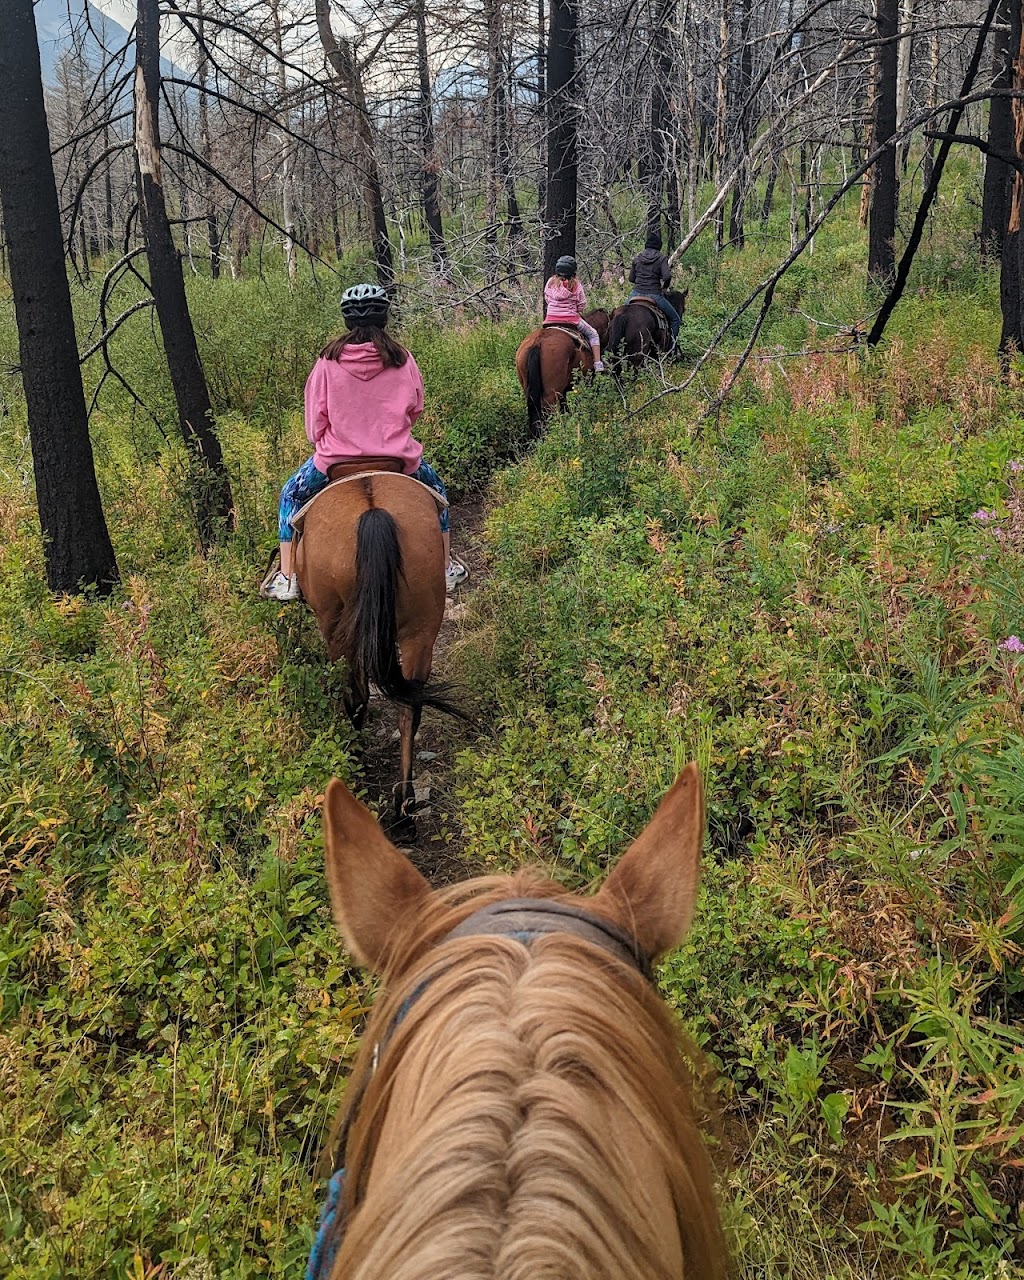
357, 466
654, 309
571, 330
344, 472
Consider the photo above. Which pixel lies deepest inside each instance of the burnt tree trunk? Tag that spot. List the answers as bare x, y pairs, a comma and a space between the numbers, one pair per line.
884, 185
744, 129
1011, 341
660, 116
342, 58
77, 546
560, 187
999, 177
429, 174
210, 490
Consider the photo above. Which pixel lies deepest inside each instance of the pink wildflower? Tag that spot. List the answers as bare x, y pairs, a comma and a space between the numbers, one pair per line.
983, 516
1016, 466
1012, 644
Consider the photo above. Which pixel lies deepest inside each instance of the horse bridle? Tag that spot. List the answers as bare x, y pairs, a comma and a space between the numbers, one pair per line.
524, 920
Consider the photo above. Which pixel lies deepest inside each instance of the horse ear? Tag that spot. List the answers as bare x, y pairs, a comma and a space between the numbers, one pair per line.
652, 892
373, 886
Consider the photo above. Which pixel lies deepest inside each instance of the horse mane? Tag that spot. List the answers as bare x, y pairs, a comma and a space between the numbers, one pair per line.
509, 1078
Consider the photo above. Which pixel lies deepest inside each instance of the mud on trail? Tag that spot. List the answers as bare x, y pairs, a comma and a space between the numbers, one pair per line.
440, 849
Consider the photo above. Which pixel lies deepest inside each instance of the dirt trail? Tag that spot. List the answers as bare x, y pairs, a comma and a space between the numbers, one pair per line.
439, 850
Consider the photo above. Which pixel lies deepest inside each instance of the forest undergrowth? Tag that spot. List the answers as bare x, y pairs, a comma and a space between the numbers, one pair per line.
818, 594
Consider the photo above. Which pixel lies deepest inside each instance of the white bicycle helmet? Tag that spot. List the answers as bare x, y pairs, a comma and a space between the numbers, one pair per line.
365, 304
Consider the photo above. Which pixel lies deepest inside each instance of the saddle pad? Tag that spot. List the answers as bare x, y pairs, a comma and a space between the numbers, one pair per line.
652, 307
575, 334
299, 518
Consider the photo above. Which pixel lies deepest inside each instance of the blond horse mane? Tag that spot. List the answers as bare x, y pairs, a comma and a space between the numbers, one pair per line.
523, 1114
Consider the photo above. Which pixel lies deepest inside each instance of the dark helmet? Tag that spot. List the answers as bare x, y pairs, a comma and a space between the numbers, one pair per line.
365, 304
653, 240
565, 266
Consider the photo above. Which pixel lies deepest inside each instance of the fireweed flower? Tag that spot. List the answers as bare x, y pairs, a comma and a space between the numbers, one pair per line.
1012, 644
983, 516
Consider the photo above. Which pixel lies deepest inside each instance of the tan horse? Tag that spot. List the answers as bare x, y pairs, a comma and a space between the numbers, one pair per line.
370, 564
546, 360
520, 1107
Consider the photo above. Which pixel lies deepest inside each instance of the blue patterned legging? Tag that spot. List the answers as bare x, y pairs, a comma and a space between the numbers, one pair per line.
307, 482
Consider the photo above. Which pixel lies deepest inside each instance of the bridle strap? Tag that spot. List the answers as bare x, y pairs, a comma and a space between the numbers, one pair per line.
526, 919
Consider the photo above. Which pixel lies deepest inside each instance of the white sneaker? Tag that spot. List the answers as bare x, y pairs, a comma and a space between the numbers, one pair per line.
282, 588
455, 575
599, 366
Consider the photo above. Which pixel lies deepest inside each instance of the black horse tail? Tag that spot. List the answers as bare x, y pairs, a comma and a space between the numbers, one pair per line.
370, 629
616, 334
534, 388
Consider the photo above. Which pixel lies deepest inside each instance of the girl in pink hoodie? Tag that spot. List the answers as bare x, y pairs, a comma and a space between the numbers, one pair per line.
362, 398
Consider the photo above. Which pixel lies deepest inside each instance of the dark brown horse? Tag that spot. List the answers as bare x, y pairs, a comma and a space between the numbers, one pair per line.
370, 562
546, 361
520, 1105
639, 329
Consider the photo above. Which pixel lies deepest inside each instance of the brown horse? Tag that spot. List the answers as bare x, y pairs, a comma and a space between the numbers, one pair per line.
370, 563
546, 360
636, 330
520, 1106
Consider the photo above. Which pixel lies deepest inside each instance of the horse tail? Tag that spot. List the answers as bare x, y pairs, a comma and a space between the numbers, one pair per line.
534, 388
616, 333
370, 627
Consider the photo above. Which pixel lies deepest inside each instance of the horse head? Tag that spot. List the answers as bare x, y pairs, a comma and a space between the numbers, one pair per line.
520, 1092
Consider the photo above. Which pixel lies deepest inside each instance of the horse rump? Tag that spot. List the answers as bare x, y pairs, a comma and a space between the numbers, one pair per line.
369, 624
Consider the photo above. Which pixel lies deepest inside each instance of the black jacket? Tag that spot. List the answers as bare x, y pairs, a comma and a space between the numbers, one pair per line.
650, 272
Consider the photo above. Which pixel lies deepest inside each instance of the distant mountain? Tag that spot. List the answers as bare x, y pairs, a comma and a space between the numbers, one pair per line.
60, 22
57, 21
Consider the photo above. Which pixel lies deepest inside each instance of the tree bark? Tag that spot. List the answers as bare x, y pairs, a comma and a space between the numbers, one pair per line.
560, 188
342, 58
429, 180
744, 127
210, 490
76, 543
1011, 298
206, 147
885, 185
999, 177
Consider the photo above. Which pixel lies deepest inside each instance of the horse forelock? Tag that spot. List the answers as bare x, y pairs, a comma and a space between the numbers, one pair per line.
531, 1116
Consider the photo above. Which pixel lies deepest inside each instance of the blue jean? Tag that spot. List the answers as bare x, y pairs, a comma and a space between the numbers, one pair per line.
307, 482
664, 306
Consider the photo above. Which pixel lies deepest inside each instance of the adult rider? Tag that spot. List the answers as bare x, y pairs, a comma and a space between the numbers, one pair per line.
651, 275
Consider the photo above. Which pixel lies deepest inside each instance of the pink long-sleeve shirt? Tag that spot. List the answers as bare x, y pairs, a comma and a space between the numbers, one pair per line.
355, 408
564, 300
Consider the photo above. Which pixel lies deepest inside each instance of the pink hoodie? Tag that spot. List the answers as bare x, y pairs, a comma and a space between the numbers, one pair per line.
565, 300
355, 408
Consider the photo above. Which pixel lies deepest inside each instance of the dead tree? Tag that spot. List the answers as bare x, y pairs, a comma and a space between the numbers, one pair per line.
885, 181
77, 547
563, 142
209, 487
342, 57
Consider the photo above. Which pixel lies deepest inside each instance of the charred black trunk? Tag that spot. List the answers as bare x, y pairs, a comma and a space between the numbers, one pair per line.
211, 492
1011, 341
430, 174
77, 546
999, 177
560, 192
884, 187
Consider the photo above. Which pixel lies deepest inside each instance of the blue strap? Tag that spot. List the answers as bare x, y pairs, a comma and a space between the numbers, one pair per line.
325, 1246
